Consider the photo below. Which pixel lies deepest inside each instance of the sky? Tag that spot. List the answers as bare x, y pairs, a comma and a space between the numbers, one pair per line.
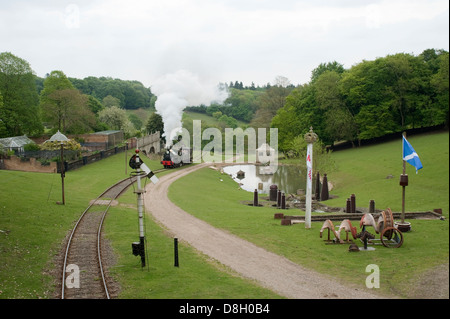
215, 40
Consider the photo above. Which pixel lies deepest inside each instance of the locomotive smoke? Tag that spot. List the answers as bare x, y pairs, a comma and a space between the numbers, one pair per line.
177, 90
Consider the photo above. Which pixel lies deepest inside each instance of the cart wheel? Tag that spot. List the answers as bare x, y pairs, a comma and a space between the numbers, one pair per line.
394, 237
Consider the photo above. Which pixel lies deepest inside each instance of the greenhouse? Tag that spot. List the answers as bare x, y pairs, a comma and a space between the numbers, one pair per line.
15, 143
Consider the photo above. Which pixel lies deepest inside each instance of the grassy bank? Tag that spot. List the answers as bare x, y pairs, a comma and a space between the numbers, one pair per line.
33, 227
366, 172
215, 198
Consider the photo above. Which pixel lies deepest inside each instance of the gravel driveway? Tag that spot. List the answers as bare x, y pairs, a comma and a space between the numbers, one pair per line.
268, 269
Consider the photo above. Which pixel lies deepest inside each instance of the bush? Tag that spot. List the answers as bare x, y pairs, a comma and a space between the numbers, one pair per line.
31, 147
56, 145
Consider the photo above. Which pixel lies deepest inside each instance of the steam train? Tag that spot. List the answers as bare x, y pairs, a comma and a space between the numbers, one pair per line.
175, 158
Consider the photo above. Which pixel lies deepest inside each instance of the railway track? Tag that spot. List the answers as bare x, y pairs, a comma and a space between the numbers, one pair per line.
83, 276
83, 253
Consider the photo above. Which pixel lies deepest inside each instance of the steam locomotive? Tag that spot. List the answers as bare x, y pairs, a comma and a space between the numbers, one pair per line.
175, 158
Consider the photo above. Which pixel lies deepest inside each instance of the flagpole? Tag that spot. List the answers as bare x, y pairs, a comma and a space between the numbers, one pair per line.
403, 181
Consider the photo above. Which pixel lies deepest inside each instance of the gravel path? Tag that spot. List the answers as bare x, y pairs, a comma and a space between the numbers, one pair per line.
268, 269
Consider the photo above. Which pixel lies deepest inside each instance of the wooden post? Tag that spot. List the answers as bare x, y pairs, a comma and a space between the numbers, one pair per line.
126, 158
175, 246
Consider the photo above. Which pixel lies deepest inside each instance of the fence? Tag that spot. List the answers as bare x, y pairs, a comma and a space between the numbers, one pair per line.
387, 137
85, 160
27, 160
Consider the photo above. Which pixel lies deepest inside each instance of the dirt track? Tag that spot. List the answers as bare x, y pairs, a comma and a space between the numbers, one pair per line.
268, 269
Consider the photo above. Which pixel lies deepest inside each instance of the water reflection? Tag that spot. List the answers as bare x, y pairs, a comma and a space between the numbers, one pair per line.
288, 178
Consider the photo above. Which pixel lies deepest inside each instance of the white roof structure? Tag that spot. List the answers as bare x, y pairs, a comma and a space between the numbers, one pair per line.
58, 137
16, 142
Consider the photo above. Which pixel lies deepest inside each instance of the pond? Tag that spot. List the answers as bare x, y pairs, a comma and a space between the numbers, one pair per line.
288, 178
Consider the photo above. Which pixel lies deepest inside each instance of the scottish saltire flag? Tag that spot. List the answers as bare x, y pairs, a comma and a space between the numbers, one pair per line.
410, 155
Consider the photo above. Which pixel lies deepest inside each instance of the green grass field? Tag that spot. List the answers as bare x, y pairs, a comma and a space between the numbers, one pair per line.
33, 226
363, 172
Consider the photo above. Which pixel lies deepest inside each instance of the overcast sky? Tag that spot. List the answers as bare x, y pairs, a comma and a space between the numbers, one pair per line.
217, 40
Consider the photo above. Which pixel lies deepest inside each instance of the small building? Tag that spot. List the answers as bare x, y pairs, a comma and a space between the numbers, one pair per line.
15, 143
102, 140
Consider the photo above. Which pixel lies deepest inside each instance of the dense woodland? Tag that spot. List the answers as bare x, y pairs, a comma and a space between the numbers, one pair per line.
370, 99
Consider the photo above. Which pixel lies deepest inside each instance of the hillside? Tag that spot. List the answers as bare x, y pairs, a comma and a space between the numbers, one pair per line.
373, 172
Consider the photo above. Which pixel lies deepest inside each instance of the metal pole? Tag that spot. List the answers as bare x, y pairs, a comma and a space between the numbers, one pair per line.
62, 173
140, 212
403, 186
308, 185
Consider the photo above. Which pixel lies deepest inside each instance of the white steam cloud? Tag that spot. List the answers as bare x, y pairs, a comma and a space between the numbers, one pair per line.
177, 90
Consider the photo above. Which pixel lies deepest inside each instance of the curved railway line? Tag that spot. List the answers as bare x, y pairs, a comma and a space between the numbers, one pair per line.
83, 253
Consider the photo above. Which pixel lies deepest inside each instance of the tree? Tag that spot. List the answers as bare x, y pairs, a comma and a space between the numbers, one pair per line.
19, 110
154, 124
65, 107
117, 119
3, 130
282, 81
323, 67
270, 102
56, 80
114, 117
371, 99
360, 86
68, 111
374, 121
240, 104
110, 100
126, 94
339, 121
297, 115
227, 121
94, 105
399, 74
440, 84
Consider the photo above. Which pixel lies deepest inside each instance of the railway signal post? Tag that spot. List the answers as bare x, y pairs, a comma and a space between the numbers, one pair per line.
141, 171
